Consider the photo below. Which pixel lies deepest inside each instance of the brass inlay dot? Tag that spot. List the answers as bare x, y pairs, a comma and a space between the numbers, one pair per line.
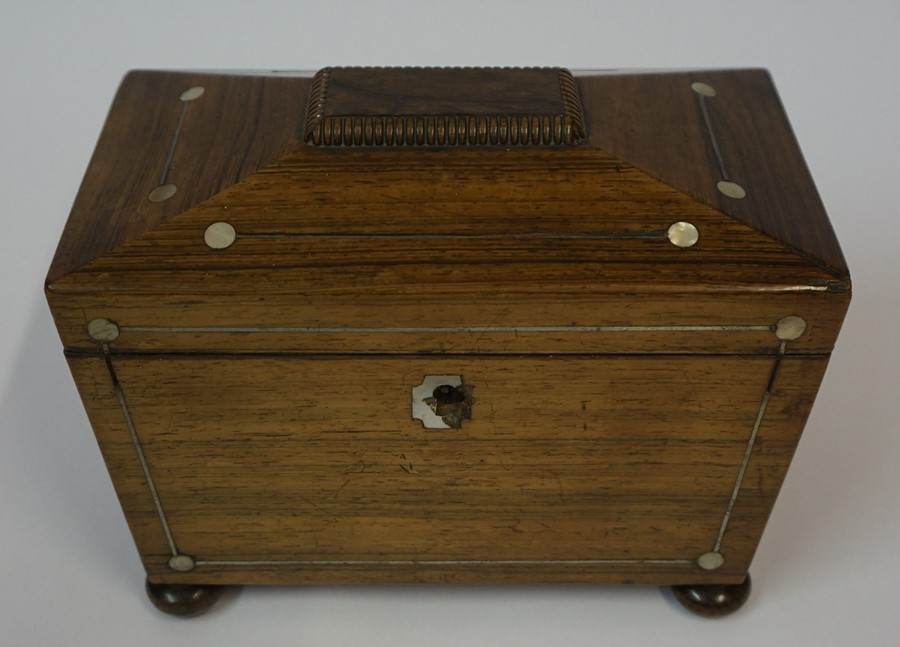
219, 235
731, 189
192, 93
790, 328
181, 563
703, 88
683, 234
103, 329
162, 193
710, 561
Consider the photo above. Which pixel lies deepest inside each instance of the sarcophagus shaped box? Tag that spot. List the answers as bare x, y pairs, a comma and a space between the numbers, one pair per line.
447, 325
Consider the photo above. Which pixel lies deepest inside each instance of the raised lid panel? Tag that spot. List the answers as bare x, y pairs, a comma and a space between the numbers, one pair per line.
443, 106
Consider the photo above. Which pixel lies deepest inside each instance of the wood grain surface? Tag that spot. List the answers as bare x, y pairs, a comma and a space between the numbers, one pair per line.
429, 324
342, 230
655, 122
443, 106
584, 458
633, 407
239, 125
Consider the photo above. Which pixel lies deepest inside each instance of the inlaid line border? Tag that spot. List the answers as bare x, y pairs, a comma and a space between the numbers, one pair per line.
221, 235
708, 561
164, 189
442, 329
438, 562
540, 235
139, 450
739, 481
726, 186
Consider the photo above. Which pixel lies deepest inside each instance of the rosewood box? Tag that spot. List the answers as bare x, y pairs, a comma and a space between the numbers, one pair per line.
447, 325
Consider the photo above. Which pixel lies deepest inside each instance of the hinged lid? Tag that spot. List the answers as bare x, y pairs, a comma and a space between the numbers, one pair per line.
447, 210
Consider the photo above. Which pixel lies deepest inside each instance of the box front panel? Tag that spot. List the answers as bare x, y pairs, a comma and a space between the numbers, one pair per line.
574, 468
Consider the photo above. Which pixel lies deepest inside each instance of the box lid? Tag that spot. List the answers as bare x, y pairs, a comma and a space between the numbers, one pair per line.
428, 200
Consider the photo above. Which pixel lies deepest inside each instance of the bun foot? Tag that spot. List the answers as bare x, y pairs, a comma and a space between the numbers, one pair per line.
713, 600
185, 600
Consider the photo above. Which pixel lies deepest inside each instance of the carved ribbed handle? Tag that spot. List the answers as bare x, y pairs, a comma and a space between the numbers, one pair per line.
444, 106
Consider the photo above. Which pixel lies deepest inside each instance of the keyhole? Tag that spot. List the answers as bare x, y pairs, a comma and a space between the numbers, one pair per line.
446, 394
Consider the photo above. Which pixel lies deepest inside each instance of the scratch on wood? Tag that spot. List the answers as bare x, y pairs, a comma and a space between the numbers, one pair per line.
338, 491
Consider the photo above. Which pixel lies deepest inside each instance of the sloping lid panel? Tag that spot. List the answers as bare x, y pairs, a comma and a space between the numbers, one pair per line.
695, 130
182, 137
203, 208
471, 217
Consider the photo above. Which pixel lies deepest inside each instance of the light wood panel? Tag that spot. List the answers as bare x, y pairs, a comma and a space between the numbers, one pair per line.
615, 458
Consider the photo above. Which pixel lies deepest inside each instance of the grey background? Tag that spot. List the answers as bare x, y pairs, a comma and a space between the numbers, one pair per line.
828, 570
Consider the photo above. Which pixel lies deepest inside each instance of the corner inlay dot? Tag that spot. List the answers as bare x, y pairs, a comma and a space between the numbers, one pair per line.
181, 563
103, 329
710, 561
790, 328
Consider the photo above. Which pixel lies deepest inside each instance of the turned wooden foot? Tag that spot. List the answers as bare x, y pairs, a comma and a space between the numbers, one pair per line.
713, 600
185, 600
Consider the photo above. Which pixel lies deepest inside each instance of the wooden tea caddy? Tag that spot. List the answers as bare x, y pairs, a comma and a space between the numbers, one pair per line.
447, 325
